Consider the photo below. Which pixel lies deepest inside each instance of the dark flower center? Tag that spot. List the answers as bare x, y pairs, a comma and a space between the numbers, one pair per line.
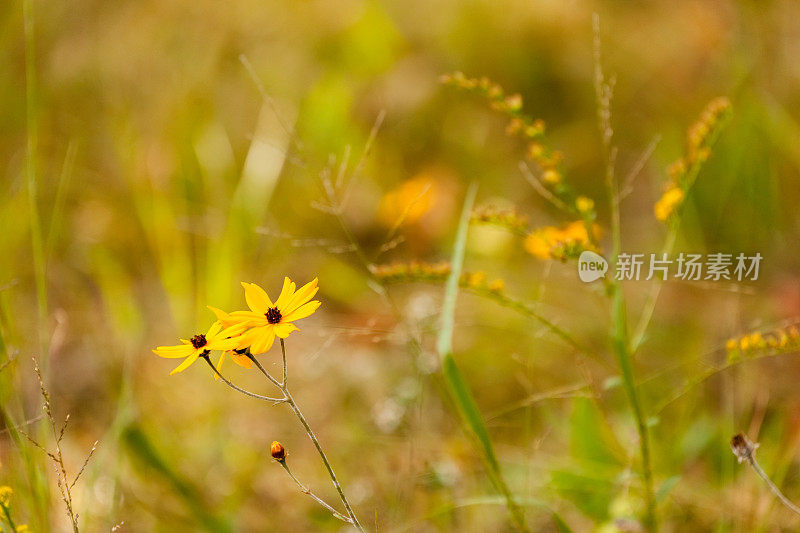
273, 315
198, 341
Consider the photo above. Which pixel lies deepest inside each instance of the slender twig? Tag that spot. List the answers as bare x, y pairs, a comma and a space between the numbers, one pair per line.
238, 389
64, 486
306, 490
745, 451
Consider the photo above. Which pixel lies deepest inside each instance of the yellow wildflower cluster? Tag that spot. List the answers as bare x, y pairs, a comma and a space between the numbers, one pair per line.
669, 202
682, 173
242, 334
412, 271
564, 243
434, 272
778, 341
531, 131
506, 218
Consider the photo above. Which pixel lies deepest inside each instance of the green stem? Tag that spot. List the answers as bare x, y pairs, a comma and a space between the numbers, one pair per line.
30, 171
7, 515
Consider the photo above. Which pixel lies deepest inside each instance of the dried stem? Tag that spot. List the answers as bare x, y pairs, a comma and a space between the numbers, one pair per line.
744, 450
306, 490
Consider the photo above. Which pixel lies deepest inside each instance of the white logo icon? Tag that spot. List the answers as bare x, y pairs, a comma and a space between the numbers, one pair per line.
591, 266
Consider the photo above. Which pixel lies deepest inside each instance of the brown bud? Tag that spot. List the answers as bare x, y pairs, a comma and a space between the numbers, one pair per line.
277, 451
742, 447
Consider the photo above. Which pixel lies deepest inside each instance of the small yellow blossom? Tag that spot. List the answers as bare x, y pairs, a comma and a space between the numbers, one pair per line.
266, 320
411, 200
551, 177
554, 243
667, 204
539, 243
584, 204
5, 495
216, 338
497, 285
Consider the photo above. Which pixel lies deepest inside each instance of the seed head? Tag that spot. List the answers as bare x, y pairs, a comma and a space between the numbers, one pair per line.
742, 447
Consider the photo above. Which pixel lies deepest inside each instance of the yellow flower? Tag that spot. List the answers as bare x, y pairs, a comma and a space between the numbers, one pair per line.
584, 204
411, 200
214, 339
667, 204
539, 243
5, 495
267, 320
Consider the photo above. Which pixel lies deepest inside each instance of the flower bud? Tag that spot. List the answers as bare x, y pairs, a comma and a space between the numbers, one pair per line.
277, 451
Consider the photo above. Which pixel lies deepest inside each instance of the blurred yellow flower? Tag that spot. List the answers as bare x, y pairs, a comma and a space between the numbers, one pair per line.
267, 320
409, 201
5, 495
584, 204
214, 339
554, 243
667, 204
539, 242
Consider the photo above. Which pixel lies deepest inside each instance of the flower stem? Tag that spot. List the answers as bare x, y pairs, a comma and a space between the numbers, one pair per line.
238, 389
324, 458
288, 399
306, 490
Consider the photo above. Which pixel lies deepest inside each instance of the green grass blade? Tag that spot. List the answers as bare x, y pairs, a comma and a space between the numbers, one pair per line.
456, 385
140, 447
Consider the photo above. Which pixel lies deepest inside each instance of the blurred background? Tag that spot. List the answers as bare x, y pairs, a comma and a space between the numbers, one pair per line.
183, 147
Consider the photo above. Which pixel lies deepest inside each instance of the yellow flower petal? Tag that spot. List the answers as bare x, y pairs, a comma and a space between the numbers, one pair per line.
304, 294
241, 360
283, 330
256, 297
225, 318
219, 366
223, 344
286, 294
186, 363
214, 330
174, 352
262, 342
302, 311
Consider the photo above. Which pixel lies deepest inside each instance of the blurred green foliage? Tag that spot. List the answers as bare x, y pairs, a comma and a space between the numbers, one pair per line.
165, 177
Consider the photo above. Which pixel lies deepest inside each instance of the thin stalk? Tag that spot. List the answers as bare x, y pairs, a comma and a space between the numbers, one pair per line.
306, 490
744, 450
238, 389
772, 486
324, 458
289, 400
31, 107
619, 333
8, 518
283, 353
